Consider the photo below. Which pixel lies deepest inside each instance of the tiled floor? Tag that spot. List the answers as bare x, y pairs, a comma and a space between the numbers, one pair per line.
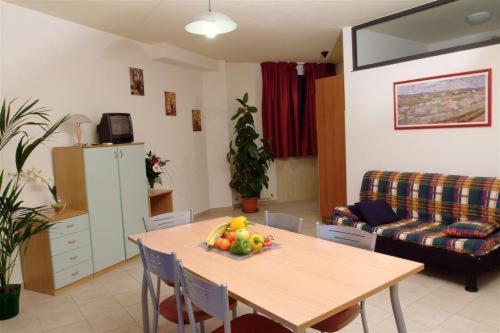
433, 301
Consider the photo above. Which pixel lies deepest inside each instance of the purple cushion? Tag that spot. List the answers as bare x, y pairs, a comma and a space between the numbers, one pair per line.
376, 212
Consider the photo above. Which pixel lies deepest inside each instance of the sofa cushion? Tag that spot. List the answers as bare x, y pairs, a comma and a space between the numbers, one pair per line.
468, 229
376, 212
432, 234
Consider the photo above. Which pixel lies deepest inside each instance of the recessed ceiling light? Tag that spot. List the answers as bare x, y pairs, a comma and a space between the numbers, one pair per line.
478, 17
211, 24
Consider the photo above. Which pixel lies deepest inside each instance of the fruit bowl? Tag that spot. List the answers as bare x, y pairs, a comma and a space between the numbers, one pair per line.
236, 240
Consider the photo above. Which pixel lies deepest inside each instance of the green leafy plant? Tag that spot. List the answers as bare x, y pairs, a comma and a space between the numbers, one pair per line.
17, 222
249, 160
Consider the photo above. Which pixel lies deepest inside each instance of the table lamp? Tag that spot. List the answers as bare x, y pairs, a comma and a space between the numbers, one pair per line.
78, 119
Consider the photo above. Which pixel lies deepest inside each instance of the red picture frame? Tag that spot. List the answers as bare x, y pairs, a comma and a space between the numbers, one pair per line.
434, 102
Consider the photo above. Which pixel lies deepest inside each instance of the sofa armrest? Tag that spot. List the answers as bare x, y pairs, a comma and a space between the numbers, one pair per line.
341, 216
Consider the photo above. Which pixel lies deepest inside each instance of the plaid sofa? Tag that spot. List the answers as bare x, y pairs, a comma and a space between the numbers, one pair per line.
427, 204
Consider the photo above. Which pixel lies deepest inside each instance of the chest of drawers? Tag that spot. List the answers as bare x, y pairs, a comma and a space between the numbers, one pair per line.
60, 255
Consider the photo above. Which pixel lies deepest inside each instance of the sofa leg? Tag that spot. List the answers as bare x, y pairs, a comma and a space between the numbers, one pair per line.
471, 282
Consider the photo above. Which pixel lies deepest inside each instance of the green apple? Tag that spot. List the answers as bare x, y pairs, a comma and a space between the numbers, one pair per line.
242, 234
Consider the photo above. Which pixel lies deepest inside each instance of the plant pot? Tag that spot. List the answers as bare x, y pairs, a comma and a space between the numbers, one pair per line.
9, 303
59, 206
250, 204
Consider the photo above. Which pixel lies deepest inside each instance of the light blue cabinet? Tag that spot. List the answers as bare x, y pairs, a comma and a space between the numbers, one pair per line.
133, 193
115, 180
104, 205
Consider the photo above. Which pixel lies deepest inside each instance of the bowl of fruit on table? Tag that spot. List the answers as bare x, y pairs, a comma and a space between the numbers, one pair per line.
235, 239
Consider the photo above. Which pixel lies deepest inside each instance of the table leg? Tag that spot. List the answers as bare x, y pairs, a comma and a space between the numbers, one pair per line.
299, 330
396, 309
144, 301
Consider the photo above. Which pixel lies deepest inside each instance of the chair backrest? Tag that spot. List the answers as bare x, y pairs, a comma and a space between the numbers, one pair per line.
161, 264
168, 220
284, 221
208, 297
346, 235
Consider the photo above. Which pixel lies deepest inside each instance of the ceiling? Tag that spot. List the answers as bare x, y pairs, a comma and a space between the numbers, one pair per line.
267, 30
443, 23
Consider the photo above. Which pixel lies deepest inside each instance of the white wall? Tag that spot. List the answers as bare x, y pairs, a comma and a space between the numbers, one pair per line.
376, 47
241, 78
214, 117
372, 142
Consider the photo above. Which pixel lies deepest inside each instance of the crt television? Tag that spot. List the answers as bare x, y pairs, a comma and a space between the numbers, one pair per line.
115, 128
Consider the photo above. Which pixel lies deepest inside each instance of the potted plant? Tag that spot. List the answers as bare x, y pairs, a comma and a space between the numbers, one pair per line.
36, 176
18, 222
155, 167
250, 160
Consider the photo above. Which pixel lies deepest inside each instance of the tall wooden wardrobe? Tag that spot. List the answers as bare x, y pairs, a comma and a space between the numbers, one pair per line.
331, 143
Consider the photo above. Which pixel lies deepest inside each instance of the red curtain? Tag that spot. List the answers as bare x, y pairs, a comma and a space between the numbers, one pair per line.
280, 115
312, 72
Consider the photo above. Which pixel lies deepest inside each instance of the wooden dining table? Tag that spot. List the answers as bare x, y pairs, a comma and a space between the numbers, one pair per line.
298, 284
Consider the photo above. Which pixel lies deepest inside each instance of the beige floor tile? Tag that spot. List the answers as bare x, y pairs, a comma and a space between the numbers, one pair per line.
78, 327
58, 312
100, 306
425, 316
22, 323
484, 309
459, 324
109, 320
89, 292
120, 284
389, 326
129, 328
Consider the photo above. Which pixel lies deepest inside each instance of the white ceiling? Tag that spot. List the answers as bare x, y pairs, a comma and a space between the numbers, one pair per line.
267, 30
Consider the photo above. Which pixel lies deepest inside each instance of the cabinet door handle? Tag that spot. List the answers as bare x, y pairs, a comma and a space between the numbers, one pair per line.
70, 225
116, 154
121, 153
73, 257
72, 241
75, 273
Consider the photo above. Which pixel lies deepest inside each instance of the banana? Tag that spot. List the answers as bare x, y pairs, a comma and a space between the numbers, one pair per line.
216, 232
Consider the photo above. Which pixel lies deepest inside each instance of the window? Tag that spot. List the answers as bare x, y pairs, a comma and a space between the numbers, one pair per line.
435, 28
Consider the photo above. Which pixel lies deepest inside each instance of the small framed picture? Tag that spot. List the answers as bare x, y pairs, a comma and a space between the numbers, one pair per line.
170, 107
452, 100
196, 120
136, 81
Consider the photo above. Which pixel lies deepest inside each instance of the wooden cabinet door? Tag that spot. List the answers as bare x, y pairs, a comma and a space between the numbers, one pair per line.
331, 143
133, 192
105, 211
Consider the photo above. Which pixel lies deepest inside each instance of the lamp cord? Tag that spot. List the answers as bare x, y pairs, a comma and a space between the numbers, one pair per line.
209, 6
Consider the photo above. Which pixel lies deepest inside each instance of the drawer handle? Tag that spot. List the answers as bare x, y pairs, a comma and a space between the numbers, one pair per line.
72, 241
75, 273
73, 257
70, 225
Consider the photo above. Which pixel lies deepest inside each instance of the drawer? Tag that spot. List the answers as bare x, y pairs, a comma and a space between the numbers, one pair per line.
72, 274
69, 226
71, 258
70, 242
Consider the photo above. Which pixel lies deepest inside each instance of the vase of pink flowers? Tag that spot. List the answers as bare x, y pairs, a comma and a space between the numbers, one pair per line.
155, 167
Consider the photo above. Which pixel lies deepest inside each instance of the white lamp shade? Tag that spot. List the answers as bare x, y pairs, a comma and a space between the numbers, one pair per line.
78, 118
211, 24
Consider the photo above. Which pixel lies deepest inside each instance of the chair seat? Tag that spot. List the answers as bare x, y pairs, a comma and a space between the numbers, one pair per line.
253, 323
168, 283
338, 321
168, 309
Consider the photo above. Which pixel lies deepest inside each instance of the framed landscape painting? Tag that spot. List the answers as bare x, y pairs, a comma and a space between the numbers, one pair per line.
453, 100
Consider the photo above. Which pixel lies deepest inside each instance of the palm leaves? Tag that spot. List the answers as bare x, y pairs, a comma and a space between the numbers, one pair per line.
17, 222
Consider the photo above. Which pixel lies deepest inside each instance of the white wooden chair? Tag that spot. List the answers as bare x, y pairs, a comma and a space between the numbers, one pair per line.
168, 220
352, 237
284, 221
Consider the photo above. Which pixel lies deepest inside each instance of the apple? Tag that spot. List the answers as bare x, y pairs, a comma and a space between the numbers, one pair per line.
242, 234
